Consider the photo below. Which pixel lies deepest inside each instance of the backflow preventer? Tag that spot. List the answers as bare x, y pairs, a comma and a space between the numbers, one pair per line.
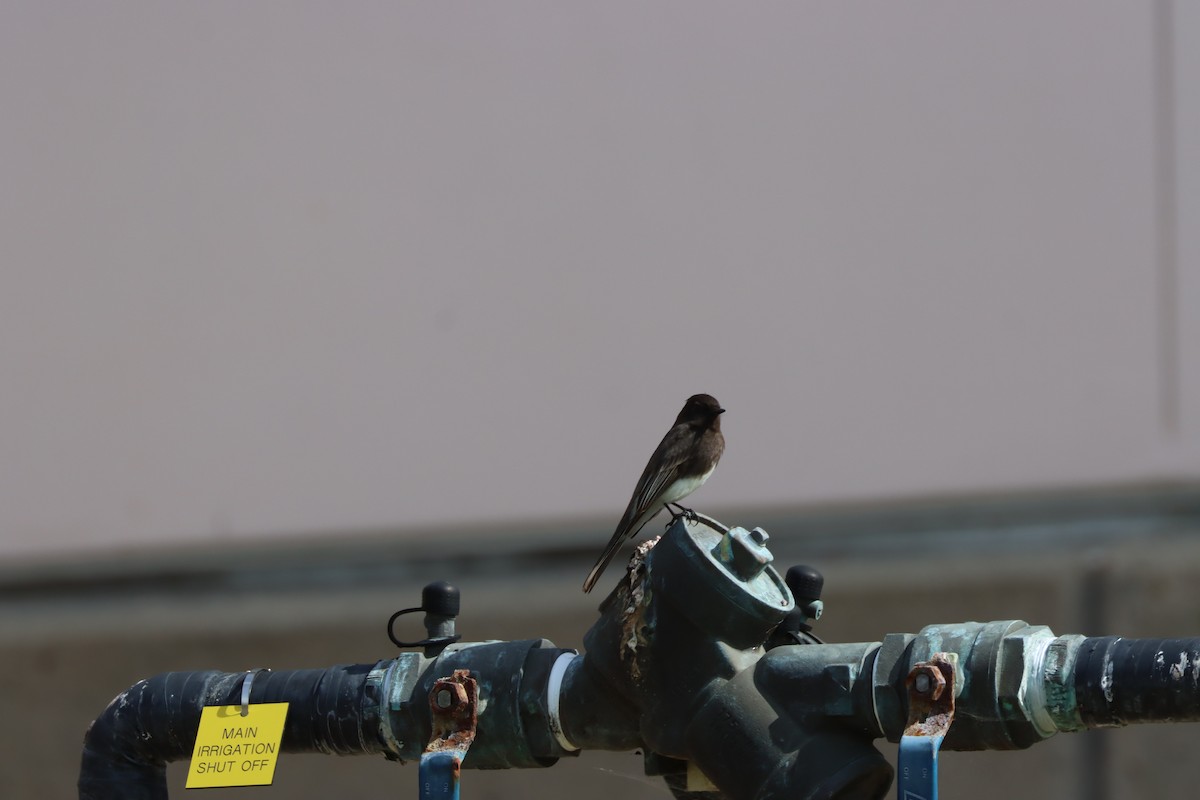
702, 657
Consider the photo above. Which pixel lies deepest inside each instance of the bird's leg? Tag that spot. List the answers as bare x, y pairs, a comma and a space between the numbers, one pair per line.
683, 511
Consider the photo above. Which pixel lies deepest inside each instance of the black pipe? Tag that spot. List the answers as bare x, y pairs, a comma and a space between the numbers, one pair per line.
127, 747
1123, 681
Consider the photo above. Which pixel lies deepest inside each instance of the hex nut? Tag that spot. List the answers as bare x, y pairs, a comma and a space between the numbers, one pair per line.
927, 680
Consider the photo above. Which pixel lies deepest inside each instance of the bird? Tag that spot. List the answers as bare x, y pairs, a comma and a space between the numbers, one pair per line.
684, 459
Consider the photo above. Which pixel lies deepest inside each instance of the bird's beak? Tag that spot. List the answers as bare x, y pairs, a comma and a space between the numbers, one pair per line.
720, 411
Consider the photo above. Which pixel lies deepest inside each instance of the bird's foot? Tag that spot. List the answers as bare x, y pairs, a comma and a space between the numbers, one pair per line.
683, 511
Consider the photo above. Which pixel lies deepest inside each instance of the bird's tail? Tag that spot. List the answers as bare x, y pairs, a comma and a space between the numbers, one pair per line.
629, 527
614, 544
598, 570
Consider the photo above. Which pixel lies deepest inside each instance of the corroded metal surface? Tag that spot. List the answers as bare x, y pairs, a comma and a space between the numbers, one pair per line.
453, 707
931, 696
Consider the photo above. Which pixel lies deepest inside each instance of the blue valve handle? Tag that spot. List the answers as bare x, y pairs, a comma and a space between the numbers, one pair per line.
454, 711
918, 778
930, 713
438, 775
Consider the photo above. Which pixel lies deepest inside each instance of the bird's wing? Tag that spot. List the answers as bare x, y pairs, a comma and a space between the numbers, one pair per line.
655, 478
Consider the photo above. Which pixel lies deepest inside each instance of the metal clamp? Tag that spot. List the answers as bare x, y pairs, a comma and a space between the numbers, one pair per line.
930, 713
251, 674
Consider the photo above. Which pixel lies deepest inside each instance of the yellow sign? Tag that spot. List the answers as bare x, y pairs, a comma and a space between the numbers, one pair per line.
232, 750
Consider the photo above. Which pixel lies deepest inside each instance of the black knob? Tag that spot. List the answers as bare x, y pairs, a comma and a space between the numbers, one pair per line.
440, 598
805, 582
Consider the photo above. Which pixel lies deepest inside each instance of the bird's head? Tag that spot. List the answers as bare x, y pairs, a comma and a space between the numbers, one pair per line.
701, 409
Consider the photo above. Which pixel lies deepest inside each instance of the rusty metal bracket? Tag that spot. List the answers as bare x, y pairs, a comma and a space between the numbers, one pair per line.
930, 712
454, 709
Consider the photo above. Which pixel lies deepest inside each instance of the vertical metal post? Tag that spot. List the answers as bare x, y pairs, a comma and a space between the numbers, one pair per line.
453, 703
930, 713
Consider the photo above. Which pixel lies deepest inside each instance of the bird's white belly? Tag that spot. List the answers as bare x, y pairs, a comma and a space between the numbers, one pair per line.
683, 487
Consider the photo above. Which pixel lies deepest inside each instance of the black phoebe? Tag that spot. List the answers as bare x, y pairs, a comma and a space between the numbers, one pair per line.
685, 458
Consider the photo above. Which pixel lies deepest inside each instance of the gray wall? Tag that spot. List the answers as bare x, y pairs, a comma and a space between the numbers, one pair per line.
284, 288
274, 268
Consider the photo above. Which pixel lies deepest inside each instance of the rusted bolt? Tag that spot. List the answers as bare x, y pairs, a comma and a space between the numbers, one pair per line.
449, 695
928, 681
